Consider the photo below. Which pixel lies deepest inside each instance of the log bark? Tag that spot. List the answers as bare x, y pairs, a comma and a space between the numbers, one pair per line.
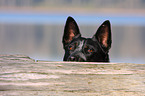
22, 76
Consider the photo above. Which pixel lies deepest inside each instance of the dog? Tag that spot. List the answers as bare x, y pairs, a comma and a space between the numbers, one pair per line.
80, 49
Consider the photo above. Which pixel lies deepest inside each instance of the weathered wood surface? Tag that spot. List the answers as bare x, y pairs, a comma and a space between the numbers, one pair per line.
22, 76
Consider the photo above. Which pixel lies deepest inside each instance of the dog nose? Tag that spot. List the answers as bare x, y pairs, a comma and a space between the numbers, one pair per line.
75, 58
72, 58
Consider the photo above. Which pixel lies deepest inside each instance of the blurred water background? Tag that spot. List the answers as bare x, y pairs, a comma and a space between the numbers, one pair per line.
35, 27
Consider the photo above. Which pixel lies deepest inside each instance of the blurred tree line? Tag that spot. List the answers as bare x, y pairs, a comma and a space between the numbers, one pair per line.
75, 3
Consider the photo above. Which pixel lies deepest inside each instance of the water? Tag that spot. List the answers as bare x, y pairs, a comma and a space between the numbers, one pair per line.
60, 18
40, 35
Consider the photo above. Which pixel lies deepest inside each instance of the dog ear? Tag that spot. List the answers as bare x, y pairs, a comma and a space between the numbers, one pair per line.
103, 35
71, 30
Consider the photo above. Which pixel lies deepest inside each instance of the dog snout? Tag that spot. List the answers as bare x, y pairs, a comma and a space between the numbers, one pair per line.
75, 58
72, 58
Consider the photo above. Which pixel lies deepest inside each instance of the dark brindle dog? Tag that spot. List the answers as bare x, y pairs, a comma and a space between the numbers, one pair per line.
93, 49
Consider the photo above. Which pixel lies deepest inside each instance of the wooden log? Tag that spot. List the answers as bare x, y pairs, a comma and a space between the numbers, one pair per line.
22, 76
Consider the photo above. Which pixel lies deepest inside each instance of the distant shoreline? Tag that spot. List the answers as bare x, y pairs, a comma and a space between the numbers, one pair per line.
85, 11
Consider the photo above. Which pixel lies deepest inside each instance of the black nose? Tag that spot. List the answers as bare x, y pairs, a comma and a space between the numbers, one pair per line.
75, 58
72, 58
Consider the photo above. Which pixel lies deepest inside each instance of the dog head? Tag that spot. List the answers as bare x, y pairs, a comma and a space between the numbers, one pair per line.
78, 48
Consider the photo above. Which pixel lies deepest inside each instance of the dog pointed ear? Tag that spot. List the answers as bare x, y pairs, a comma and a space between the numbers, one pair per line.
71, 30
103, 36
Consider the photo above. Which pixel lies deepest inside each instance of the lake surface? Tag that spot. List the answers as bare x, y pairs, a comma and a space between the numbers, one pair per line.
40, 35
60, 18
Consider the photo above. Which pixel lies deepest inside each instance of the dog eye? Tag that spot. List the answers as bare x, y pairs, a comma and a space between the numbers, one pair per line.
70, 48
88, 50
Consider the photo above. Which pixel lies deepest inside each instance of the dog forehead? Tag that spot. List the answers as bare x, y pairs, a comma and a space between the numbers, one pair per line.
89, 41
81, 43
79, 40
85, 41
